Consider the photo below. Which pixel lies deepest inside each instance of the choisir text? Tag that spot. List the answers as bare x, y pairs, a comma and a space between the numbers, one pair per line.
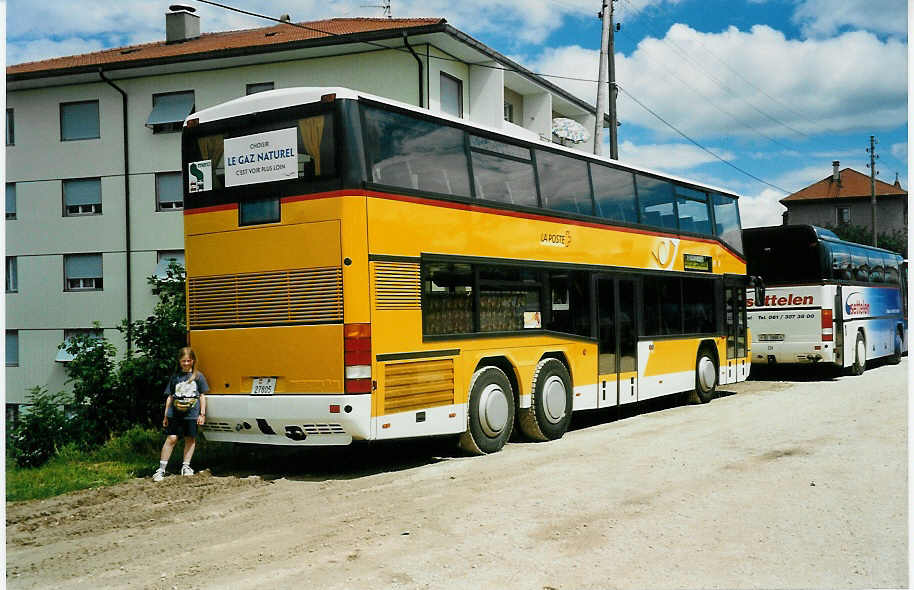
781, 300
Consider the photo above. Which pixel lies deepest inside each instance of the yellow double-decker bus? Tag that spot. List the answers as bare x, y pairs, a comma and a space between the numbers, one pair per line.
361, 269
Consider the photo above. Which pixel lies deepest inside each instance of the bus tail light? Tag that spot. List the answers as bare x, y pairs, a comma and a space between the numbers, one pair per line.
828, 326
357, 357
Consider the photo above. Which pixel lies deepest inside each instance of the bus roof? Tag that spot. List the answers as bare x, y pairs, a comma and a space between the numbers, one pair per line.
288, 97
776, 232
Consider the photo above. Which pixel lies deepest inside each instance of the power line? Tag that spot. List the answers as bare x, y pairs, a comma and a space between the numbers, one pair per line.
703, 148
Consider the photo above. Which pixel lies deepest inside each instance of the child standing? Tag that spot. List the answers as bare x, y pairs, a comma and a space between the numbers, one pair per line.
185, 409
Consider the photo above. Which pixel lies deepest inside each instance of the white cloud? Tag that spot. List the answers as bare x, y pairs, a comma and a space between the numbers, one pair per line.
819, 18
761, 209
755, 85
671, 157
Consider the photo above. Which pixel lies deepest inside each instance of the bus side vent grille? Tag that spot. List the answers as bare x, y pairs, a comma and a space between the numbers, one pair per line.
418, 385
397, 285
287, 297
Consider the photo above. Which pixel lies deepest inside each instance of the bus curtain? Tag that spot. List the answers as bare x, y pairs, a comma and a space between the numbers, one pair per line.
312, 129
211, 149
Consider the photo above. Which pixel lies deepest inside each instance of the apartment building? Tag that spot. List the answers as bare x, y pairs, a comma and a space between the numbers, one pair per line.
93, 194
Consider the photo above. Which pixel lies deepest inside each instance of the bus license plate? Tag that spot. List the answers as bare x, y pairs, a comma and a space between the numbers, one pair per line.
771, 337
263, 386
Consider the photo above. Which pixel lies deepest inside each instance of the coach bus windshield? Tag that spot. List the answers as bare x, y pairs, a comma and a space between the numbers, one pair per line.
290, 151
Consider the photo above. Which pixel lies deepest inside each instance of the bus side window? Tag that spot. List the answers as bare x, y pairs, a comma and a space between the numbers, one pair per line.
614, 192
890, 262
860, 269
840, 262
655, 198
874, 260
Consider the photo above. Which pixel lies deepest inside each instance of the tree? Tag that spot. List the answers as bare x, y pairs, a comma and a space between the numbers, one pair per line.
112, 397
41, 431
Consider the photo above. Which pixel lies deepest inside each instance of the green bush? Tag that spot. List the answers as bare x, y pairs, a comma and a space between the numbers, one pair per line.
41, 431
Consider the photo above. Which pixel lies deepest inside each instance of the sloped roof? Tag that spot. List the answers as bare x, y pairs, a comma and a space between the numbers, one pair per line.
852, 185
207, 43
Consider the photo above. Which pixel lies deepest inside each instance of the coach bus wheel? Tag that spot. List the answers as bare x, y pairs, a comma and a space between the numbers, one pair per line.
895, 358
705, 378
859, 365
490, 412
549, 413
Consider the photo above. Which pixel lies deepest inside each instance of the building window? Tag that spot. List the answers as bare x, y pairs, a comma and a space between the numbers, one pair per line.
169, 193
451, 95
164, 258
12, 348
12, 275
11, 200
843, 214
83, 272
10, 128
79, 120
82, 196
63, 355
509, 112
170, 110
258, 87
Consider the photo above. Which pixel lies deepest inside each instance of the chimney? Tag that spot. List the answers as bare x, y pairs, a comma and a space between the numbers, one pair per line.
181, 24
897, 182
835, 175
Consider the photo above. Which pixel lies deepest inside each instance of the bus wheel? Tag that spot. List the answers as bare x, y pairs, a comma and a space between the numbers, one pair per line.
705, 378
490, 413
859, 365
549, 413
895, 358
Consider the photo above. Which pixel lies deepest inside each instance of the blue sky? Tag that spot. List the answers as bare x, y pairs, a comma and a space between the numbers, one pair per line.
778, 89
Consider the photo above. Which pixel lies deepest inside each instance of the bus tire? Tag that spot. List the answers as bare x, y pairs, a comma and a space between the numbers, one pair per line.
705, 378
859, 365
895, 357
551, 402
490, 412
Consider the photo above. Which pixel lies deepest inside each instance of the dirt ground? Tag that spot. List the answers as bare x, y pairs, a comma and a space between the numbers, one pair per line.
786, 482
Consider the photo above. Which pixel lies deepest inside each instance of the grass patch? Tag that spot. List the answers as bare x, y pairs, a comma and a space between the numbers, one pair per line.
132, 454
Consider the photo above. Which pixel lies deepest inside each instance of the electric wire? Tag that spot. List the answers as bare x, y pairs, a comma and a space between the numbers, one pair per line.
701, 147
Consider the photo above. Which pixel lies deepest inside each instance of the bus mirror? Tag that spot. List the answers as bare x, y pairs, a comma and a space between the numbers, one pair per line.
759, 286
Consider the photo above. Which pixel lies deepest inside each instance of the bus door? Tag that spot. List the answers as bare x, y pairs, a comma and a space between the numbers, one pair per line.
618, 345
735, 367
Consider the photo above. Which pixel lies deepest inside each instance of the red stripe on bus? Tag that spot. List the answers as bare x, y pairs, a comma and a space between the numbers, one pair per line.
225, 207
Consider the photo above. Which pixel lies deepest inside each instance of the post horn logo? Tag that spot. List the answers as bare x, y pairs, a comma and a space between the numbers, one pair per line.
663, 251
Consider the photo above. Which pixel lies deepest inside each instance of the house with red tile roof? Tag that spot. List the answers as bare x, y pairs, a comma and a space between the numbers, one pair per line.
845, 197
94, 191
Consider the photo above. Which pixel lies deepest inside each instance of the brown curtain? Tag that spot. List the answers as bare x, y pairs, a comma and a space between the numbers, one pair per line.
211, 148
312, 129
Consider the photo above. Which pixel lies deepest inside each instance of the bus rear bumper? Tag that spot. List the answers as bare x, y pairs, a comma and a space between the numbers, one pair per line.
766, 353
288, 419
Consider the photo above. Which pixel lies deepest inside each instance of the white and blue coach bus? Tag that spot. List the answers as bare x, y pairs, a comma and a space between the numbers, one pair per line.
826, 300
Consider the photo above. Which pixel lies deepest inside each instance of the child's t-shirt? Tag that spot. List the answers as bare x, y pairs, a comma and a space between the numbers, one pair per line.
184, 389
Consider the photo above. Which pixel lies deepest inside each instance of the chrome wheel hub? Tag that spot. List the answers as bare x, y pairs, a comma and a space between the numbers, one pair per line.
493, 410
554, 399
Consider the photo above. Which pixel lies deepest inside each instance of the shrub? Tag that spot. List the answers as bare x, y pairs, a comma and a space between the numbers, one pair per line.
40, 432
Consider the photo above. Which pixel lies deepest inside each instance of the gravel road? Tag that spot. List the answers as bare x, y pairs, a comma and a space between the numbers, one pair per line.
784, 482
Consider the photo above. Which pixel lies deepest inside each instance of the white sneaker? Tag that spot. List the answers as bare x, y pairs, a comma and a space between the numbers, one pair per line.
186, 470
159, 475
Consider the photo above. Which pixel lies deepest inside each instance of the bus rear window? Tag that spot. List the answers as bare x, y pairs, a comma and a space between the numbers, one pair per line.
279, 155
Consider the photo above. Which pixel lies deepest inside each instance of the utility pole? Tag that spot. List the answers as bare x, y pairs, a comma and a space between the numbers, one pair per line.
613, 119
601, 80
872, 166
607, 68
